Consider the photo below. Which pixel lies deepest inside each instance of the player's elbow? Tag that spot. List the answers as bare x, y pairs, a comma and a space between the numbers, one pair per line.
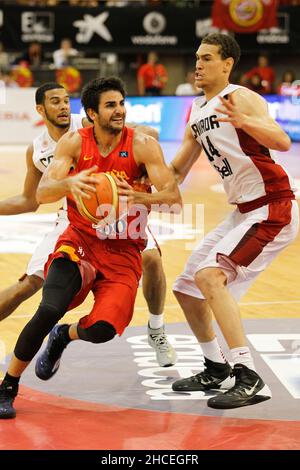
41, 195
284, 144
33, 206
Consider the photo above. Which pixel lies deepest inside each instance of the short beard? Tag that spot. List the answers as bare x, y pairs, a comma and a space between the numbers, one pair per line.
110, 129
57, 124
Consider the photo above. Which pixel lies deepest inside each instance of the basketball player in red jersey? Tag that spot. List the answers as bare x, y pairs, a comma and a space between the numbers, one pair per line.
83, 260
53, 104
232, 126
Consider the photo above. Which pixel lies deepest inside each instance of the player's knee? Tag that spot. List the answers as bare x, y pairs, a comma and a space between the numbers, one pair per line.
151, 262
46, 314
99, 332
180, 296
208, 279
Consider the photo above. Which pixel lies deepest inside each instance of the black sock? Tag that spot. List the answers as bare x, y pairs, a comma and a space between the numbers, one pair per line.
10, 381
64, 331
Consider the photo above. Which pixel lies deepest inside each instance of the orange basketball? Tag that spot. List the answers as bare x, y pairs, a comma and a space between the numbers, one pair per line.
104, 203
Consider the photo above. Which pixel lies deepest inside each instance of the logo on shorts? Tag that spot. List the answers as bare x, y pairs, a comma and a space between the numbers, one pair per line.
80, 251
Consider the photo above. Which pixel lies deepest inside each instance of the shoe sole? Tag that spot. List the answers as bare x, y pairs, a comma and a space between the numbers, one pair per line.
8, 415
43, 377
186, 389
224, 384
227, 406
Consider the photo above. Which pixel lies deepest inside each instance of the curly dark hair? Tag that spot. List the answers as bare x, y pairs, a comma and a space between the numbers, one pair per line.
92, 91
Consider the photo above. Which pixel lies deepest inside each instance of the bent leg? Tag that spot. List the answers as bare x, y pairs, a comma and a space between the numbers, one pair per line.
154, 281
99, 332
154, 290
198, 315
212, 283
62, 283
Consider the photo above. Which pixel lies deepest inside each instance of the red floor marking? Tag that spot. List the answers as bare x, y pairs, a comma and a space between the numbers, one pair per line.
53, 423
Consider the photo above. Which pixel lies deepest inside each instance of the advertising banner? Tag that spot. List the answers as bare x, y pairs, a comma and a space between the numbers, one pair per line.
169, 114
244, 17
135, 29
19, 121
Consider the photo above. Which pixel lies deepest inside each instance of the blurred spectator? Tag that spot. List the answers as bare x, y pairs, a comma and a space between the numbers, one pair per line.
255, 84
188, 88
39, 3
286, 82
116, 3
4, 61
23, 76
264, 71
7, 78
61, 57
69, 78
33, 58
84, 3
152, 76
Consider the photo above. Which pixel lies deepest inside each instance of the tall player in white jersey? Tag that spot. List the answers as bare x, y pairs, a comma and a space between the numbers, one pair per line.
232, 126
53, 104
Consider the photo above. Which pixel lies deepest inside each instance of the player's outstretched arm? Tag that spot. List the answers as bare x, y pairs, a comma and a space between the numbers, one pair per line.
56, 182
248, 111
25, 202
186, 156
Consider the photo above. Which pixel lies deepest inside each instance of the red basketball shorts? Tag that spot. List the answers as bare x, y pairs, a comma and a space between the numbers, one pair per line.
111, 269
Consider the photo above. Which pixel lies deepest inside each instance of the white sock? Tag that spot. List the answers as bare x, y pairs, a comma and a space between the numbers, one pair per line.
212, 351
243, 356
156, 321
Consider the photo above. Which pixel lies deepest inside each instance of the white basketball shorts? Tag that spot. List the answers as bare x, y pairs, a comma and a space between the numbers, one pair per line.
243, 245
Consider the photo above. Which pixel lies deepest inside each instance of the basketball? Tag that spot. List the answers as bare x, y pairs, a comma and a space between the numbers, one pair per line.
103, 204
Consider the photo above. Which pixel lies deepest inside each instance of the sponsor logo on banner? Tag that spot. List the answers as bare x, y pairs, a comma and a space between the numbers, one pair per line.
18, 116
91, 25
14, 116
154, 23
37, 26
147, 113
277, 35
244, 16
205, 26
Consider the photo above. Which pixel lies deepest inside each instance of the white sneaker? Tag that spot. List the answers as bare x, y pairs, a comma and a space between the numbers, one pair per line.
165, 353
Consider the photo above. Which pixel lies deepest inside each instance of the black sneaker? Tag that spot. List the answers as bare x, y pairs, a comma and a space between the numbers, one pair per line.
211, 377
249, 389
7, 395
47, 364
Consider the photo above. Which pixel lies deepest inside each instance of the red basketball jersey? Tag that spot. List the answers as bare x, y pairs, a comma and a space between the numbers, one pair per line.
119, 162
